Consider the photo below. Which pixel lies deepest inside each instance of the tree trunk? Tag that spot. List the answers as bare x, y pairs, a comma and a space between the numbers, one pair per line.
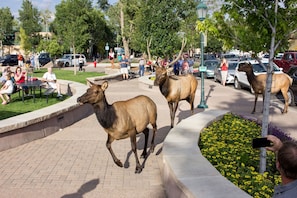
122, 23
266, 105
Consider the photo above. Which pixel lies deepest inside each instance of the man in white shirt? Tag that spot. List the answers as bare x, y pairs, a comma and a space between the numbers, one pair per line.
50, 78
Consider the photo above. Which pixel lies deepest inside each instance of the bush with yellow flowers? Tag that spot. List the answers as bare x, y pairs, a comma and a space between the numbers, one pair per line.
227, 144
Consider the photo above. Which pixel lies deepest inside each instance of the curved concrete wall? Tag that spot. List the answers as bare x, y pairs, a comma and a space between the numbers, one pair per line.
27, 127
186, 172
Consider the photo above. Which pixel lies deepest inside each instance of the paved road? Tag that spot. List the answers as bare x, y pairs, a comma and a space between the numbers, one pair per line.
75, 163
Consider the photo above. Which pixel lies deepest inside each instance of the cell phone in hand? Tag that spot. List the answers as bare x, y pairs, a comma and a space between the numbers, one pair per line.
261, 142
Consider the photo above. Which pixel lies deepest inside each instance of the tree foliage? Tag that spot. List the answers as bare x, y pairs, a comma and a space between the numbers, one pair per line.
6, 25
160, 22
82, 28
30, 21
247, 25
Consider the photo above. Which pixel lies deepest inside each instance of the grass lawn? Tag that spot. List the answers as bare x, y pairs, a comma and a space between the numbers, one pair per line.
17, 106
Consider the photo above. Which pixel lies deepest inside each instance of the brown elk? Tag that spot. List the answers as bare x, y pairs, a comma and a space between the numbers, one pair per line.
175, 89
280, 82
123, 119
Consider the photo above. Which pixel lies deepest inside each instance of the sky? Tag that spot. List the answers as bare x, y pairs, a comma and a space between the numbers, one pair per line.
15, 5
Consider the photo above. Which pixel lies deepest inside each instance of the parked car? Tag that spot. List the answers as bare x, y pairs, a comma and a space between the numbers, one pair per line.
288, 60
230, 76
9, 59
240, 78
210, 67
69, 59
44, 58
230, 57
293, 89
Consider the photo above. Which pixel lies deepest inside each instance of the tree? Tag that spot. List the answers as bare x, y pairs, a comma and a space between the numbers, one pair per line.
25, 43
259, 26
6, 27
45, 17
72, 24
30, 22
103, 4
158, 23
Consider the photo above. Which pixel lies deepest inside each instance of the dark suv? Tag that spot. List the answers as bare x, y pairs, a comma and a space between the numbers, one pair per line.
9, 59
44, 58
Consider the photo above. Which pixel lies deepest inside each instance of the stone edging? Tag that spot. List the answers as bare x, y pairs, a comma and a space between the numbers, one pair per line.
27, 127
186, 173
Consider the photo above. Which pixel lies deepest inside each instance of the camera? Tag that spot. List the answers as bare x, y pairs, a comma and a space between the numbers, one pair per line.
261, 142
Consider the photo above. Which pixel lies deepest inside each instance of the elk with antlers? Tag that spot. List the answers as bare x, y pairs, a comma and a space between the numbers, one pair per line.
123, 119
176, 88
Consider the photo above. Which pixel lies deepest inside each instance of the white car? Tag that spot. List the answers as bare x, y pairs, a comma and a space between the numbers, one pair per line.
240, 78
69, 60
230, 75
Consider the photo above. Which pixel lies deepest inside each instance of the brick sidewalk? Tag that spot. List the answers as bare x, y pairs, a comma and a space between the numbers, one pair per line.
75, 162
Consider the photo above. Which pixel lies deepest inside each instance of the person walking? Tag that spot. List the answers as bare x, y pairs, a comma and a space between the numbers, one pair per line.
286, 164
124, 67
20, 60
81, 63
141, 66
224, 71
111, 58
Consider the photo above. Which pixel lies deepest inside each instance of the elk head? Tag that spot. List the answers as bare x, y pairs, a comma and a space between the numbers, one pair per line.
94, 94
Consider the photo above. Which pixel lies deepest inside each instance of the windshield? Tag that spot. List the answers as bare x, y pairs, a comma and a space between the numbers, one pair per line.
66, 56
232, 66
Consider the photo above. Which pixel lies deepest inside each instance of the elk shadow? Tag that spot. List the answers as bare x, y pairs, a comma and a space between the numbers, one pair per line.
85, 188
159, 139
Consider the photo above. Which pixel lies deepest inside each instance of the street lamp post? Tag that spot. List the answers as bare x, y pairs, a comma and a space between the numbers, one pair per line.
201, 12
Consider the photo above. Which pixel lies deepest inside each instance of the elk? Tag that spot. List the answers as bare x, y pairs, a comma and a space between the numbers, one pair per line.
280, 82
175, 89
123, 119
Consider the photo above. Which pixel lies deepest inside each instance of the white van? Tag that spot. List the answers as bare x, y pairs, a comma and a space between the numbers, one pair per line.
70, 59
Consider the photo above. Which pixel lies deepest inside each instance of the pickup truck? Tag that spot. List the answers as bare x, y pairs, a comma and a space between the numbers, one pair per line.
288, 60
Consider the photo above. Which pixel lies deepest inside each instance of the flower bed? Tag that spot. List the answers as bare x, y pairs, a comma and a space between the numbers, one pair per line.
227, 145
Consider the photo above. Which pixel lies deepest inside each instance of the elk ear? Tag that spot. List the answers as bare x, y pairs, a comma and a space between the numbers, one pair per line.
90, 83
104, 85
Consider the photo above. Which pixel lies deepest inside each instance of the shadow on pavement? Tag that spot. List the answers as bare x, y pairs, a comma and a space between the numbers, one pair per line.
85, 188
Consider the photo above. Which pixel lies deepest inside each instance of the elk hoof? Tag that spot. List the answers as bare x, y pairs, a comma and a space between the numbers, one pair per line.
152, 148
138, 169
119, 163
143, 155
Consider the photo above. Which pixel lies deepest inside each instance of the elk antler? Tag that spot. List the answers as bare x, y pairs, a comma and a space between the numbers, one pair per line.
184, 42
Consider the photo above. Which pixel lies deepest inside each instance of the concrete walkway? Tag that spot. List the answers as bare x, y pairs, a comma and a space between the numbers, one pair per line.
75, 163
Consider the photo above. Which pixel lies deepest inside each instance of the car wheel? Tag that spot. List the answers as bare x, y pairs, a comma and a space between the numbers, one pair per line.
291, 98
66, 64
237, 84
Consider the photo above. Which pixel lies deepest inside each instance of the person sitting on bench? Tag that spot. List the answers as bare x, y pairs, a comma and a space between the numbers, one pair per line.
50, 78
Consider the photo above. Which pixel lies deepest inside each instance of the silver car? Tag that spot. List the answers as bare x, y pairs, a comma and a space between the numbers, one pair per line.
210, 67
230, 76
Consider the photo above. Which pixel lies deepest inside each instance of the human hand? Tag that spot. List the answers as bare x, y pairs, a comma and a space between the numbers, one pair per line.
276, 143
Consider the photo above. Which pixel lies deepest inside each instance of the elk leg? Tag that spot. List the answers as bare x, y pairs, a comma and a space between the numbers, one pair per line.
173, 108
108, 145
146, 136
256, 98
286, 97
138, 168
153, 138
190, 100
